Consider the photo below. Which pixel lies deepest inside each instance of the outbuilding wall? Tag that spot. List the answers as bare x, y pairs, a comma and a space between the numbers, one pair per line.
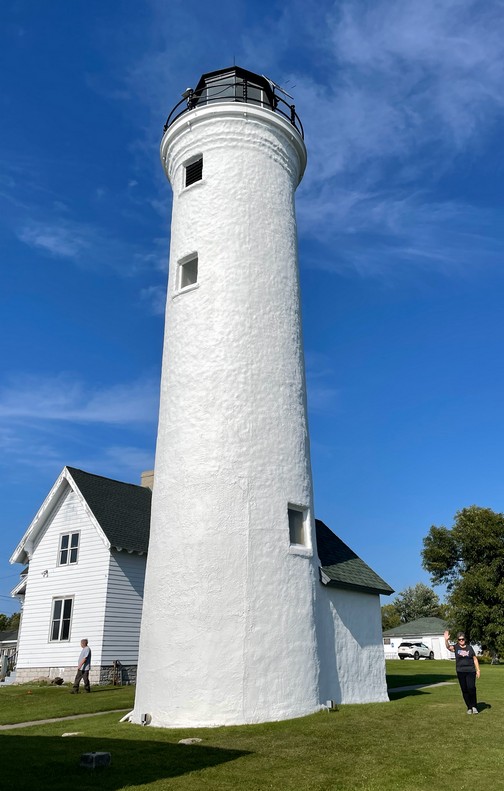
352, 665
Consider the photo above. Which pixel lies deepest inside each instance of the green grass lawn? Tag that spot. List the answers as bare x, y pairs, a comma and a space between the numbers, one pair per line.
419, 741
25, 702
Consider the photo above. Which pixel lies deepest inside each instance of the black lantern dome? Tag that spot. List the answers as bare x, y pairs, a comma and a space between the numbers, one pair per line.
235, 84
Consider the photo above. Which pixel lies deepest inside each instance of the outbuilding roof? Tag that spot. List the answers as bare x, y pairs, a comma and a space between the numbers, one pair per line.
418, 628
342, 568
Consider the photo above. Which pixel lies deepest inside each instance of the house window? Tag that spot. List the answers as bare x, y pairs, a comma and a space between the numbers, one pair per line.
386, 641
187, 272
297, 528
60, 620
68, 549
193, 171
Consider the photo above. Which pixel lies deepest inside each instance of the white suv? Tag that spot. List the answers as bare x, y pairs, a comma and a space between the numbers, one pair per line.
414, 650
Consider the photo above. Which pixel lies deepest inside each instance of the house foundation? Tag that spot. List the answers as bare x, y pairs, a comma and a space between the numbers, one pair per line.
101, 675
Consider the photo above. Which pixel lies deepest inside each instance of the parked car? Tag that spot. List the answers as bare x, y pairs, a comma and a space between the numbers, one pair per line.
415, 651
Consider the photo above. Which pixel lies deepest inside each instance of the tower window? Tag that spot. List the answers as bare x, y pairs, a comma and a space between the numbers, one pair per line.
187, 272
297, 520
194, 171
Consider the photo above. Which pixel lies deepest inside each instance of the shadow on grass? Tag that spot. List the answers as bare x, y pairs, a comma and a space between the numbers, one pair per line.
405, 693
52, 762
398, 680
96, 690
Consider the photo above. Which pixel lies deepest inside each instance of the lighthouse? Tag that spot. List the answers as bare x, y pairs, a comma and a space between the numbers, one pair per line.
228, 630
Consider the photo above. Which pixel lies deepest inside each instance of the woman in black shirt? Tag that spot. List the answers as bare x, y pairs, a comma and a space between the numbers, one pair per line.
467, 667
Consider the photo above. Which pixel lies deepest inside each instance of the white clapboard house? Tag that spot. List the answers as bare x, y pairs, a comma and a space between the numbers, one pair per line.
84, 555
84, 566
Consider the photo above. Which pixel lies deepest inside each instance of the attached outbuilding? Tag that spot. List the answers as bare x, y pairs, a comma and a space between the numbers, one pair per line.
352, 669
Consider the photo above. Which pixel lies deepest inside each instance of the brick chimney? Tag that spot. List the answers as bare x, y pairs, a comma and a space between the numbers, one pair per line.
147, 479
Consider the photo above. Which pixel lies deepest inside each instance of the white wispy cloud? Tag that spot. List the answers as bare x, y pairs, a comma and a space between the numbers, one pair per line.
402, 78
322, 395
64, 240
155, 296
124, 462
30, 448
400, 90
91, 246
391, 94
378, 233
63, 398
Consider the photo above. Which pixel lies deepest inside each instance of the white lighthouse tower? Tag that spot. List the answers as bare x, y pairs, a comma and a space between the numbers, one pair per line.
228, 631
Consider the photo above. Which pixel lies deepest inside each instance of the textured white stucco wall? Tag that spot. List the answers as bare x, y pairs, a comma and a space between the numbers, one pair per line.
228, 628
352, 664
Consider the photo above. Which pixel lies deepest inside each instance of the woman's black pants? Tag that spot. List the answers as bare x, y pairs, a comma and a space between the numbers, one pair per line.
467, 683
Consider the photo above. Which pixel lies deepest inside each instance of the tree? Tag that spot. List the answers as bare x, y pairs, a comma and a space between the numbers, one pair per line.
8, 622
418, 601
469, 560
389, 617
14, 621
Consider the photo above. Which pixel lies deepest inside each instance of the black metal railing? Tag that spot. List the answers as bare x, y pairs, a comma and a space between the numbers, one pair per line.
239, 91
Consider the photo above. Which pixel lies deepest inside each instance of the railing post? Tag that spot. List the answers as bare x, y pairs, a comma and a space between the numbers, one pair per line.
245, 91
293, 114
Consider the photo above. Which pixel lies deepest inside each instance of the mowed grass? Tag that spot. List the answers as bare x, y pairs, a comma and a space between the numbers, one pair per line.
419, 741
25, 703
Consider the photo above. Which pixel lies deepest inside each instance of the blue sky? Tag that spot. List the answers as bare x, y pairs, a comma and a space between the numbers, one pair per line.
400, 233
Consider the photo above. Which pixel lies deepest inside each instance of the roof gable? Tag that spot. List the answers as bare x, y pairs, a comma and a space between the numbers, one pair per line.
121, 509
342, 568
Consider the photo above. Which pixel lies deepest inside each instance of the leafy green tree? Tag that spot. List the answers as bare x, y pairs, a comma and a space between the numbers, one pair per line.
418, 601
469, 560
14, 621
8, 622
389, 617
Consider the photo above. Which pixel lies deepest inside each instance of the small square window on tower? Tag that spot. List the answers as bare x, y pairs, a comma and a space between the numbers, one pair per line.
297, 525
187, 274
193, 171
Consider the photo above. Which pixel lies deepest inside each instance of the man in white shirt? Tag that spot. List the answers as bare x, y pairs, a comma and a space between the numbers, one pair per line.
83, 668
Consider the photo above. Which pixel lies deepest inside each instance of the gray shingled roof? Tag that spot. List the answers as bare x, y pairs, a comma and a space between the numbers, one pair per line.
10, 636
418, 628
121, 509
342, 567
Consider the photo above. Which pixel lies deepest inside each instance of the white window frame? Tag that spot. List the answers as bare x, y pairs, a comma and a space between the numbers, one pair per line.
61, 620
69, 548
294, 547
188, 259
